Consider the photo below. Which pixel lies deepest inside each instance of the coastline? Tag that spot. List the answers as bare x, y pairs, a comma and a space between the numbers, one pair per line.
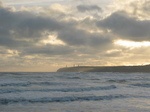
145, 68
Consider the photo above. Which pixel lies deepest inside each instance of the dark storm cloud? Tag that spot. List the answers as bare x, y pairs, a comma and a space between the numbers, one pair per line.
77, 37
35, 27
84, 8
22, 30
23, 24
126, 27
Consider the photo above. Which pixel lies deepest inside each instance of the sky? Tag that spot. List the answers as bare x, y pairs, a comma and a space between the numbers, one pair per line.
44, 35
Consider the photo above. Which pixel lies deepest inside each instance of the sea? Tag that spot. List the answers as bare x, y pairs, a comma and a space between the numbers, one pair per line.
75, 92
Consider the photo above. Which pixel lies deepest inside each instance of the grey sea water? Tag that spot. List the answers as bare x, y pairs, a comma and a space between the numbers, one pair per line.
74, 92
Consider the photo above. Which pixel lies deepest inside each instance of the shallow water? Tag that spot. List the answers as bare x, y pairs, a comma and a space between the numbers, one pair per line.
74, 92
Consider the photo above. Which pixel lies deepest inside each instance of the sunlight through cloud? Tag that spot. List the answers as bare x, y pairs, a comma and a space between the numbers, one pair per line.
52, 39
132, 43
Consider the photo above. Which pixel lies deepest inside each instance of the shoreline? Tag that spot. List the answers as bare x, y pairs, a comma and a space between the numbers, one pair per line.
145, 68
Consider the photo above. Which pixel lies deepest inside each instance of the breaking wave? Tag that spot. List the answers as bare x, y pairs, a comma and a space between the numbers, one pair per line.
25, 84
61, 99
147, 85
116, 81
61, 90
16, 84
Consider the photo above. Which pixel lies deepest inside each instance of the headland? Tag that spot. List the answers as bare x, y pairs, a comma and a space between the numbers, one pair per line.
144, 68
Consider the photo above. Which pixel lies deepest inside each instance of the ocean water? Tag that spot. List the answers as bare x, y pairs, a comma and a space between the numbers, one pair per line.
74, 92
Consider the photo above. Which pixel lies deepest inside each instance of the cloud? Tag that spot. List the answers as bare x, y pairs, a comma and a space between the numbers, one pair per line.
85, 8
75, 37
20, 29
141, 9
136, 8
113, 53
126, 27
131, 21
48, 50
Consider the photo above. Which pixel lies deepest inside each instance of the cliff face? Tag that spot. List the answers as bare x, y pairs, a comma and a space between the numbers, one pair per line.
106, 69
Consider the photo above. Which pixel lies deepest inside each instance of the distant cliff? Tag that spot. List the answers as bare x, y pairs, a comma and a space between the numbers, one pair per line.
145, 68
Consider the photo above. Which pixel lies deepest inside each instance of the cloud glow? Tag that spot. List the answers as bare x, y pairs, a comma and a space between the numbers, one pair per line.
53, 40
132, 44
